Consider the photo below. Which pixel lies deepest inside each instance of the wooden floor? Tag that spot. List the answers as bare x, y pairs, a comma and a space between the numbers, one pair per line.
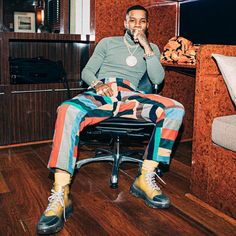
25, 185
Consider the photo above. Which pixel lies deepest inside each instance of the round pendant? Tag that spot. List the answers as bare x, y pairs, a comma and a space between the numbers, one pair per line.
131, 60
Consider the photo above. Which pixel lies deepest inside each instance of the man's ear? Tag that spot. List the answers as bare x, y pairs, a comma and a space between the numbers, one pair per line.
125, 24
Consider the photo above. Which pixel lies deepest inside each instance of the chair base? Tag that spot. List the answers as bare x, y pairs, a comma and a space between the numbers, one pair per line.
116, 157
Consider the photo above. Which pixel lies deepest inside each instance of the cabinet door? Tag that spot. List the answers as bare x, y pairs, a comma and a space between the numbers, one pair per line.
33, 112
32, 115
4, 116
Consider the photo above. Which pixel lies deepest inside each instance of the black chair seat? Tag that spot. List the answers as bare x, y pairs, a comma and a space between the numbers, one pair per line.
124, 126
124, 122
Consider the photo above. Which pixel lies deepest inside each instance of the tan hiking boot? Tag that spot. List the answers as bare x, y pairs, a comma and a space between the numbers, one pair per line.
145, 186
58, 210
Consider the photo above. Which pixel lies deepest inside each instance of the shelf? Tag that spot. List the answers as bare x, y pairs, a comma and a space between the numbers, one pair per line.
186, 69
12, 36
184, 65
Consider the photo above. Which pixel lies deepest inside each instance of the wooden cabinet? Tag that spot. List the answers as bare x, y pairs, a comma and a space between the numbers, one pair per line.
4, 116
28, 111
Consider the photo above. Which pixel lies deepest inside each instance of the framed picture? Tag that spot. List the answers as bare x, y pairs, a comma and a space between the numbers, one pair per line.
24, 22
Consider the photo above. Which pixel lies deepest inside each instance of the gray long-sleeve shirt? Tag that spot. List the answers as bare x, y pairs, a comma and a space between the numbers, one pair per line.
109, 60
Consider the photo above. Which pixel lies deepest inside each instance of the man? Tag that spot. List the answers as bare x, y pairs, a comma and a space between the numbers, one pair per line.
113, 73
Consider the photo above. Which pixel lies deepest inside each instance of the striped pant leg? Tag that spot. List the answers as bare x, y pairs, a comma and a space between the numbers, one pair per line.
72, 116
164, 135
167, 114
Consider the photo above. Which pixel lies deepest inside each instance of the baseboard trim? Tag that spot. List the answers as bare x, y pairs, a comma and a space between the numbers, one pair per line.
211, 209
25, 144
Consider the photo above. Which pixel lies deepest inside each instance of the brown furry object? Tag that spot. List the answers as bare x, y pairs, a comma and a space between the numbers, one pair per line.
179, 50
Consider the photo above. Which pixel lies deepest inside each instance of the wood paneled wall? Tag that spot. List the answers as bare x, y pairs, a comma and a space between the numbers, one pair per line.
110, 17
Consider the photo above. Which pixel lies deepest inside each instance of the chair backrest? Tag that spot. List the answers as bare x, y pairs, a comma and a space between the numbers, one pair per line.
145, 84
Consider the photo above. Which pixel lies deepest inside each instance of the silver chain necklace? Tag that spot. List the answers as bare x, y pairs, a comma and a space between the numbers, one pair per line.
131, 60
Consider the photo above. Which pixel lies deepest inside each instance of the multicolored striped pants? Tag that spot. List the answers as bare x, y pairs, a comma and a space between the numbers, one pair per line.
89, 108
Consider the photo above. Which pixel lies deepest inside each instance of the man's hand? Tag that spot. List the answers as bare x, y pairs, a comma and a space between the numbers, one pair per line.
141, 38
103, 90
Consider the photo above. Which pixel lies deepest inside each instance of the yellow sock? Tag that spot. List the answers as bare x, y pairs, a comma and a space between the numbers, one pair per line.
150, 165
62, 179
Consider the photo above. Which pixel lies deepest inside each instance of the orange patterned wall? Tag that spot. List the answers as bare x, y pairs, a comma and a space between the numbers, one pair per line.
110, 16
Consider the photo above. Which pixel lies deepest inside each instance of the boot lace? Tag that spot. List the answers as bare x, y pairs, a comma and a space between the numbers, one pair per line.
150, 177
54, 199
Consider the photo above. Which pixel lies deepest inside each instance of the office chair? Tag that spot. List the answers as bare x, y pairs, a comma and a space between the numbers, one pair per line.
117, 128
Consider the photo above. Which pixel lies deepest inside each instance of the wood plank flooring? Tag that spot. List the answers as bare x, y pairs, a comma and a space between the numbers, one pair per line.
25, 184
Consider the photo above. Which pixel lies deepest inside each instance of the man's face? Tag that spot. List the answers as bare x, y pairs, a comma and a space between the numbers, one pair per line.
136, 19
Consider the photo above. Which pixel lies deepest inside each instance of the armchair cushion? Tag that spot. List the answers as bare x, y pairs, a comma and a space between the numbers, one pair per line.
224, 132
227, 66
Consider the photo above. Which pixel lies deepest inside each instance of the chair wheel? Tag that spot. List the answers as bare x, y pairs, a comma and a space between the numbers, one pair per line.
113, 185
114, 182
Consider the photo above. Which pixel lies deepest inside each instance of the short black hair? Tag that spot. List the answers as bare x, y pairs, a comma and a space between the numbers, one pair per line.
137, 7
